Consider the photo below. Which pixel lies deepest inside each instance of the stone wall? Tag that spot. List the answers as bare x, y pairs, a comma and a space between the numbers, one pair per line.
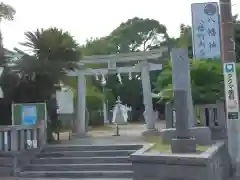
210, 115
212, 164
202, 135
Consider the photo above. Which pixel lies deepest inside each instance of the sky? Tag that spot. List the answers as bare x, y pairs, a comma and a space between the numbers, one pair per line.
93, 18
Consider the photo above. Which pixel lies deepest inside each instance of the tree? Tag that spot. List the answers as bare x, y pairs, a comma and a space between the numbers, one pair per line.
185, 39
7, 12
98, 46
206, 82
52, 53
138, 34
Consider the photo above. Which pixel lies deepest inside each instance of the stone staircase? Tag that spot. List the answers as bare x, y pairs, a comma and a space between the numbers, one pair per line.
82, 162
6, 166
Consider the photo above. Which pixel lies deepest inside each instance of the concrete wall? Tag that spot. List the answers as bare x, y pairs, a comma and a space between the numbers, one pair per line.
212, 164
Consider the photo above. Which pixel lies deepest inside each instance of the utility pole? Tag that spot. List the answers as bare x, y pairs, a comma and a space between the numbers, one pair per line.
231, 93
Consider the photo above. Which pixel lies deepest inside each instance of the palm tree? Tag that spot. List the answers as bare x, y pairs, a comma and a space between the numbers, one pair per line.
51, 54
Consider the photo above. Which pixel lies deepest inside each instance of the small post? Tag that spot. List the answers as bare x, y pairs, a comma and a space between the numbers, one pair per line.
117, 130
69, 135
231, 84
173, 117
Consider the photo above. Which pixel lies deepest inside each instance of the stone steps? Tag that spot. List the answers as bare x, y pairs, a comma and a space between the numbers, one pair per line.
79, 167
77, 174
19, 178
87, 153
6, 164
52, 148
83, 162
5, 161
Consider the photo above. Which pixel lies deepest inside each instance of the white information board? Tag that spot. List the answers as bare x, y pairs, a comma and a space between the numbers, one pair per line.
65, 100
231, 91
206, 30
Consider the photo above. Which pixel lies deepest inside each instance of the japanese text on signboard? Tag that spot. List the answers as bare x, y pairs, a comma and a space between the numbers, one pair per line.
231, 91
206, 36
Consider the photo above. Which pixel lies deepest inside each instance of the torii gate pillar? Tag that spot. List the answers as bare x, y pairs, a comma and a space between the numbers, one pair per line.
80, 122
147, 99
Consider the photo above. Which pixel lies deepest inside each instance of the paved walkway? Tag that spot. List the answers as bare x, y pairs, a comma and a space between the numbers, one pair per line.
128, 130
129, 134
234, 178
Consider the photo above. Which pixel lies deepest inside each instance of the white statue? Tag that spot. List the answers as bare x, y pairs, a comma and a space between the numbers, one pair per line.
120, 112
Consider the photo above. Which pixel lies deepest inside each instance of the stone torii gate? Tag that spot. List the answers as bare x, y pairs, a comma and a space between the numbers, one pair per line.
142, 65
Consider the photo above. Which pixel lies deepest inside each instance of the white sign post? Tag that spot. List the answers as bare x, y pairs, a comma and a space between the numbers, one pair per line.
232, 112
231, 91
65, 101
206, 30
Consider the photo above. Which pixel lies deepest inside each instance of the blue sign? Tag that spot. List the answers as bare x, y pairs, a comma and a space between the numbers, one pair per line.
229, 67
29, 115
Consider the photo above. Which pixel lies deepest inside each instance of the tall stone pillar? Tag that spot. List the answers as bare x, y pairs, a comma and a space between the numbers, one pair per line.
183, 143
181, 80
147, 98
81, 106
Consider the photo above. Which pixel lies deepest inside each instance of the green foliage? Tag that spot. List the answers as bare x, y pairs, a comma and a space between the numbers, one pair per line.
206, 81
52, 53
98, 46
95, 119
237, 40
138, 34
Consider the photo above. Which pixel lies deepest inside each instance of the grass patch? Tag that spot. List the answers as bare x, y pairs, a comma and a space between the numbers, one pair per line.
165, 148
